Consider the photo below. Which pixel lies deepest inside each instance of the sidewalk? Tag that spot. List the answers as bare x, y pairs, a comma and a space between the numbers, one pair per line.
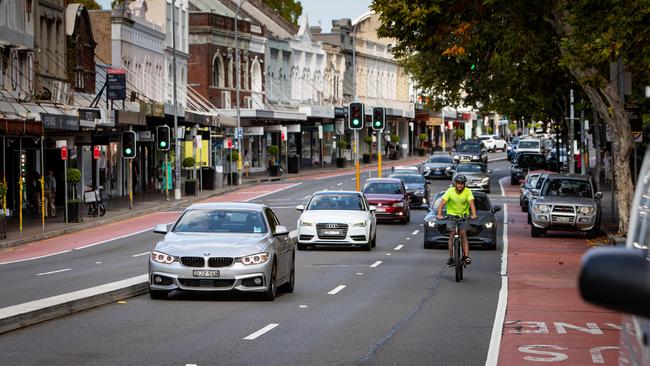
546, 320
117, 209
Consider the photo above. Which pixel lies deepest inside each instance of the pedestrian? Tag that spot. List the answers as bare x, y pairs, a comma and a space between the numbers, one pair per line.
247, 163
159, 176
36, 191
50, 195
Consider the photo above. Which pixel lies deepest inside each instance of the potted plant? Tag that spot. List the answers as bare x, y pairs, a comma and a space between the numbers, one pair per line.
395, 140
340, 160
3, 217
73, 203
423, 140
459, 134
274, 167
366, 155
190, 183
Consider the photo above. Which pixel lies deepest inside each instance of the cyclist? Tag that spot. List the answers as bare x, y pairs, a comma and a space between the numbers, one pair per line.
459, 200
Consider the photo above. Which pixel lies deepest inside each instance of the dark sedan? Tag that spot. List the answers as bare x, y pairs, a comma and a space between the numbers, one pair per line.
439, 166
523, 163
417, 188
482, 231
389, 197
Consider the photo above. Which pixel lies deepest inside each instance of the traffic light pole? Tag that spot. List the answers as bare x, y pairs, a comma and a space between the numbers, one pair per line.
380, 136
165, 177
130, 183
356, 159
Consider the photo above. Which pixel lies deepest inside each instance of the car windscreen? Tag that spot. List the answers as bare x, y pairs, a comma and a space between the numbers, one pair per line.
348, 202
382, 188
471, 148
528, 145
483, 138
531, 161
567, 188
408, 178
470, 168
220, 221
480, 202
440, 159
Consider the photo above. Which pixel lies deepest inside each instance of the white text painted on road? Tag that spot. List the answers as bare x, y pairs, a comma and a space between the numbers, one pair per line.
139, 255
415, 232
375, 264
336, 290
52, 272
260, 332
399, 247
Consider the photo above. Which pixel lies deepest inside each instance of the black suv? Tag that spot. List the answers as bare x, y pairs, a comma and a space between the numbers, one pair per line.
471, 151
525, 162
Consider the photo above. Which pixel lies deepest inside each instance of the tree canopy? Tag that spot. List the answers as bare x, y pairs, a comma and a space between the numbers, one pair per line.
89, 4
288, 9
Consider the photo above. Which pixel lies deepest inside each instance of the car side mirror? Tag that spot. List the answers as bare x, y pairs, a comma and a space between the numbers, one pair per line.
496, 208
372, 208
281, 230
160, 229
599, 195
616, 278
300, 207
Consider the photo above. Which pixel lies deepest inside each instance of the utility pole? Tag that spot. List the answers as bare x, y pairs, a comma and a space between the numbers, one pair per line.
570, 156
177, 146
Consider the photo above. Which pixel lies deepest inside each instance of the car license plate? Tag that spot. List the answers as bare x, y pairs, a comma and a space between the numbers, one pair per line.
332, 232
564, 219
380, 209
465, 158
205, 273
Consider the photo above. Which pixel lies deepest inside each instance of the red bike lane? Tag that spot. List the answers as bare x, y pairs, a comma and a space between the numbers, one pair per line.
546, 320
105, 233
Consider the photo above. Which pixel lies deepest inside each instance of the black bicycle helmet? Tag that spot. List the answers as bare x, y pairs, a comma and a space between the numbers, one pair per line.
459, 178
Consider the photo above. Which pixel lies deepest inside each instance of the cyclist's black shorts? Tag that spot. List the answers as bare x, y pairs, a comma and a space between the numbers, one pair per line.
463, 225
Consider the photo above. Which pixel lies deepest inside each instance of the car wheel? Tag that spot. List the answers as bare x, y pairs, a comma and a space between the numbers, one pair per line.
302, 246
536, 232
288, 287
492, 246
374, 240
530, 219
513, 181
594, 232
158, 294
428, 245
524, 208
271, 290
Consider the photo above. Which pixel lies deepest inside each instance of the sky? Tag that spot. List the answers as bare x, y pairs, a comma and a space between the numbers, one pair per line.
322, 11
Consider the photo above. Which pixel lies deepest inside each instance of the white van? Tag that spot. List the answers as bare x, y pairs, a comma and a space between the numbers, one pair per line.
530, 145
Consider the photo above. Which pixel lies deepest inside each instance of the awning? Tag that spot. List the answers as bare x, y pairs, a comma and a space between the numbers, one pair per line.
317, 111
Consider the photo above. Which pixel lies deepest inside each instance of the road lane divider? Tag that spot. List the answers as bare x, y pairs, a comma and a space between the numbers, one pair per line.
37, 311
375, 264
53, 272
140, 255
260, 332
415, 232
399, 247
336, 290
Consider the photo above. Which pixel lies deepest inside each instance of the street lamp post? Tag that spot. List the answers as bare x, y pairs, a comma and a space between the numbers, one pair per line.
237, 87
177, 146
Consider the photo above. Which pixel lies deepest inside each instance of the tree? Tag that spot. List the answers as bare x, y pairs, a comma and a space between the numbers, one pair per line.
290, 10
520, 57
89, 4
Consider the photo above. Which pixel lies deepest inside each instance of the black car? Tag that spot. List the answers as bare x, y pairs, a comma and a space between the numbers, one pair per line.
482, 231
417, 188
523, 163
469, 151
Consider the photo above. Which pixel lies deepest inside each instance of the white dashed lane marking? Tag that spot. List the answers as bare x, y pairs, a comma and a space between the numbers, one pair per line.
340, 184
375, 264
52, 272
336, 290
399, 247
260, 332
415, 232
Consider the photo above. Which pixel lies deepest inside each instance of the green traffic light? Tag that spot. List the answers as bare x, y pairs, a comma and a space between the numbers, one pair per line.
128, 151
163, 144
377, 123
355, 122
473, 67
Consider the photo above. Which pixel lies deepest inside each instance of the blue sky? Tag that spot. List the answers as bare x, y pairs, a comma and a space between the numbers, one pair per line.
322, 11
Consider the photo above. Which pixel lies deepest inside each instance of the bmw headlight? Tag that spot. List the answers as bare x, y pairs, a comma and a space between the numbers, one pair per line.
489, 225
448, 168
258, 258
359, 224
485, 180
587, 210
306, 223
161, 257
541, 208
398, 204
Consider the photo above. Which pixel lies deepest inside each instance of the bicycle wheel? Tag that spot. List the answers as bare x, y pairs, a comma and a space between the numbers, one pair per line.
101, 209
457, 258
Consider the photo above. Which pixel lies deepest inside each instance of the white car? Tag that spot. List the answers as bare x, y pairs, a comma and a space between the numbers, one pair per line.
494, 142
337, 218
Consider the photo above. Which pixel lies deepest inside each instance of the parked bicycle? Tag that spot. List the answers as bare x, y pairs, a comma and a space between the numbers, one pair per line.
94, 201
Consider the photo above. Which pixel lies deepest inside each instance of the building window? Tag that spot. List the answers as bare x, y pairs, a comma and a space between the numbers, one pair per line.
216, 72
79, 79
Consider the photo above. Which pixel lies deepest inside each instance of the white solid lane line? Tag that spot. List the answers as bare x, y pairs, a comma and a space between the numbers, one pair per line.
51, 272
336, 290
39, 257
261, 331
415, 232
399, 247
139, 255
375, 264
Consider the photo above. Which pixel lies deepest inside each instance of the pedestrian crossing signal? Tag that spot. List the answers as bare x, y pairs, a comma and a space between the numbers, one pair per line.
128, 144
378, 118
356, 116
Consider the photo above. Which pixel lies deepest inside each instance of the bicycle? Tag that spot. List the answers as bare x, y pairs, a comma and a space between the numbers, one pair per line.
457, 247
94, 201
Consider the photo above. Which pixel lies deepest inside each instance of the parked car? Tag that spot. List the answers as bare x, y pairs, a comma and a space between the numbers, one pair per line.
482, 231
416, 187
533, 192
337, 218
494, 142
512, 148
618, 278
439, 165
390, 199
567, 202
221, 247
523, 163
478, 177
554, 163
526, 186
530, 145
470, 151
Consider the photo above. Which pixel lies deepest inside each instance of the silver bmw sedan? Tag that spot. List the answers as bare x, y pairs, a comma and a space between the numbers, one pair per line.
220, 247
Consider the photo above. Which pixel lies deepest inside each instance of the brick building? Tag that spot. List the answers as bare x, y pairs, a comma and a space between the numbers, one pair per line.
81, 49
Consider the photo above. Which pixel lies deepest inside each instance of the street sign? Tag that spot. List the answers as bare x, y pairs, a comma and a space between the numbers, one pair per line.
116, 84
239, 132
284, 133
64, 153
229, 144
96, 152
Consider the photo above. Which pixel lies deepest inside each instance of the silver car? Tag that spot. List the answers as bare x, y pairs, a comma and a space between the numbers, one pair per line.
220, 247
478, 177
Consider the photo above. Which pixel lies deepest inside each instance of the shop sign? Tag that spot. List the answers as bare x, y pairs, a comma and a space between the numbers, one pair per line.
340, 112
145, 136
116, 84
130, 118
293, 128
60, 122
254, 131
320, 132
89, 117
328, 128
155, 110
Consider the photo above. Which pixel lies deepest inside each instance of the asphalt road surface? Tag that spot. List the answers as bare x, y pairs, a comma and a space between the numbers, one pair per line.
396, 305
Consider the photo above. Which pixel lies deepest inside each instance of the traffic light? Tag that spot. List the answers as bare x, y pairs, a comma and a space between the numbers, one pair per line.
378, 118
356, 116
128, 144
162, 138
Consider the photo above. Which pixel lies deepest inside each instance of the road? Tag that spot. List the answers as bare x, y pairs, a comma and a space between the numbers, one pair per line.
398, 304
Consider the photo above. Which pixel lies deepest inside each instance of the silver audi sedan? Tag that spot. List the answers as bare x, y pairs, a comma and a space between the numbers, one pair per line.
220, 247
